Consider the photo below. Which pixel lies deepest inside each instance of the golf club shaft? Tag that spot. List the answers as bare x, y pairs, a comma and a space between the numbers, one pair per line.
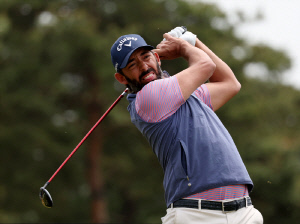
85, 137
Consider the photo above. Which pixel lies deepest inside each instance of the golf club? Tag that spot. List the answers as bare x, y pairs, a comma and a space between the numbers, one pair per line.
44, 194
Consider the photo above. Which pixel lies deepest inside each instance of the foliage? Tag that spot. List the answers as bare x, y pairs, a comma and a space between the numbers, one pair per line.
57, 78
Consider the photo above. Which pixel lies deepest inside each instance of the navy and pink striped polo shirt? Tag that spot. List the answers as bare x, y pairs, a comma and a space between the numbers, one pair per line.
163, 98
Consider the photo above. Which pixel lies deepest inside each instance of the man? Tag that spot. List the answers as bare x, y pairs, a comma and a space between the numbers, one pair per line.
205, 180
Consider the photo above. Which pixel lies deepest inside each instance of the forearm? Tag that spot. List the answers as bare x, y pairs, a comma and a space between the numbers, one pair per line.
200, 69
201, 66
193, 55
222, 73
223, 84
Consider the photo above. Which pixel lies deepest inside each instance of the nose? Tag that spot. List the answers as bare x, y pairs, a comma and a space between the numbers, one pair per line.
143, 66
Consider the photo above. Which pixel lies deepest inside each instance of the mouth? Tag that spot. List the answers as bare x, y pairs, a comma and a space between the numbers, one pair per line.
148, 77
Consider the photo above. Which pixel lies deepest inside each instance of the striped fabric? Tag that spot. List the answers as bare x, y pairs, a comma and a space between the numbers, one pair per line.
222, 193
203, 94
160, 99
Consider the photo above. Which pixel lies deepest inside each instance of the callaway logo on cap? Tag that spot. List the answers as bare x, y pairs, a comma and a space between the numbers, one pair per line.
124, 47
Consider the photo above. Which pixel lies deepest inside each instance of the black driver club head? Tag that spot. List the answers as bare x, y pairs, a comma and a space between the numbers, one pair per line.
46, 198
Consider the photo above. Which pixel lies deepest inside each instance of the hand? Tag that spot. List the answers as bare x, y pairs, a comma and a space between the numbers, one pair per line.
189, 37
177, 32
182, 33
170, 48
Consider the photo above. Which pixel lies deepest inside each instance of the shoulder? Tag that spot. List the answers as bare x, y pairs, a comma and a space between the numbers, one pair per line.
159, 99
203, 94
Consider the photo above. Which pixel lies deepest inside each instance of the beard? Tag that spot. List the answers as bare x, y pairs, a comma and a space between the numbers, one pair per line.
135, 86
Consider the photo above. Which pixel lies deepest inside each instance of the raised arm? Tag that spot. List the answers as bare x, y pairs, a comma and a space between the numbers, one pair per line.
223, 84
201, 66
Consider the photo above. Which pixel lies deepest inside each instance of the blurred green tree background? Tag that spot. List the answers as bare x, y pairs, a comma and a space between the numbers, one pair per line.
56, 80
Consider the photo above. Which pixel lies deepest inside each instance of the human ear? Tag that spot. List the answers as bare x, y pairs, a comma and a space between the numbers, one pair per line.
121, 78
157, 58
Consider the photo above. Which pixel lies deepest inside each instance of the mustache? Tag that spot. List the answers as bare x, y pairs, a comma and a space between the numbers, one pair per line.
146, 72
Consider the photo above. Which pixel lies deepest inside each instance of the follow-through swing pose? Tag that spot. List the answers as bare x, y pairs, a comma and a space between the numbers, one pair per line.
205, 179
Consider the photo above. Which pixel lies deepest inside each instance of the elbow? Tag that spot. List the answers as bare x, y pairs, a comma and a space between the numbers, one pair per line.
213, 67
210, 68
239, 86
236, 87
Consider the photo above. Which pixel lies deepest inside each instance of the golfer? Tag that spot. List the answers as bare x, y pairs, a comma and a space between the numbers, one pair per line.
205, 179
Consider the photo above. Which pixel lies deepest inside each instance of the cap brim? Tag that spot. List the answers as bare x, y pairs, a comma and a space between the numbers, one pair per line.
125, 61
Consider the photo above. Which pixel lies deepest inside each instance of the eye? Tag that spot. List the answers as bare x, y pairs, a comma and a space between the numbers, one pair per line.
131, 65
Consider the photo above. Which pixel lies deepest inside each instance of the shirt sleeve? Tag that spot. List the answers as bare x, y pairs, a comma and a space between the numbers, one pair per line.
202, 93
159, 99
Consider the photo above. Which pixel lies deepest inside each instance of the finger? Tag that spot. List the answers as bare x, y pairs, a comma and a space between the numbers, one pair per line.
167, 36
174, 33
159, 45
158, 51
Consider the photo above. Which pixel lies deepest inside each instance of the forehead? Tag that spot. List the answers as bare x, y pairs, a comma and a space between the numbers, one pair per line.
139, 51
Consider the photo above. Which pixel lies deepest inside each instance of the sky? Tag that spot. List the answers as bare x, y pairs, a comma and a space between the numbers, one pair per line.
279, 28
